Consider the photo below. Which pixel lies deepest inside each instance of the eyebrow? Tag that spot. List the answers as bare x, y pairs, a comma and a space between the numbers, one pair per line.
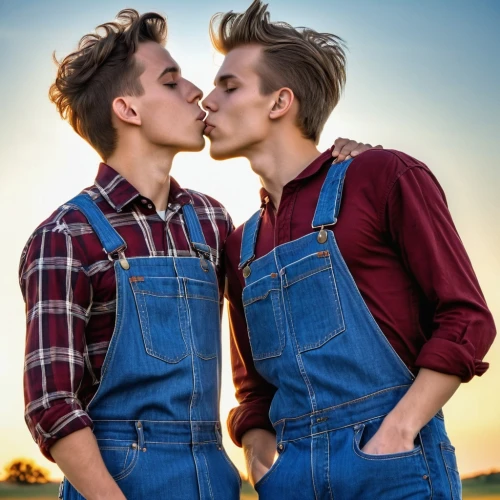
223, 78
170, 69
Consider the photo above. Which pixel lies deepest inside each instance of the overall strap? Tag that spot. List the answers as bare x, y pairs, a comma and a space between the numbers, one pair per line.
111, 241
195, 232
328, 207
249, 238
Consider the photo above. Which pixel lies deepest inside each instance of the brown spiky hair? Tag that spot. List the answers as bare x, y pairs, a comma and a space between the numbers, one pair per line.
102, 68
311, 64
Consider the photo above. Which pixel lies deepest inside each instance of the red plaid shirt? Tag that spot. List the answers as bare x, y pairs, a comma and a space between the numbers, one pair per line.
68, 284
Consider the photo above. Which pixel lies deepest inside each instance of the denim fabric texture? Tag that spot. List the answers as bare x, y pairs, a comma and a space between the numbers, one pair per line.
156, 411
313, 337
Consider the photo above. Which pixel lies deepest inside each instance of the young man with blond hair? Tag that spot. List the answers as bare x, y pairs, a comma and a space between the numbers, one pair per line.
355, 313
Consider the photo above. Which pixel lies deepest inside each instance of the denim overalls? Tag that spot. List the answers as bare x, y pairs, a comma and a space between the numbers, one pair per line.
313, 337
156, 411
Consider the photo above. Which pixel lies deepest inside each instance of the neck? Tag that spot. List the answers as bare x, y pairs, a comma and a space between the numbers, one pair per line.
146, 167
280, 159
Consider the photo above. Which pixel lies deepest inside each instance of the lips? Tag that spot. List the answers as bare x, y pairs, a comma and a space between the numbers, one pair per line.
208, 128
201, 116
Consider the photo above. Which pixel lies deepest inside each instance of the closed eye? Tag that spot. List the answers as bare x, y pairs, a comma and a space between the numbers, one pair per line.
171, 85
230, 90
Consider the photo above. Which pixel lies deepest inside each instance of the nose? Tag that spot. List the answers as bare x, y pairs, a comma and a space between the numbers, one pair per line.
208, 104
195, 94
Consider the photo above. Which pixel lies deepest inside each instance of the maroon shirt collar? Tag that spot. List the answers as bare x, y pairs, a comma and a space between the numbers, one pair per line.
118, 192
309, 171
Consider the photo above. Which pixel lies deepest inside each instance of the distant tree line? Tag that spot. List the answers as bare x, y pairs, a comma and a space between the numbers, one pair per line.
24, 471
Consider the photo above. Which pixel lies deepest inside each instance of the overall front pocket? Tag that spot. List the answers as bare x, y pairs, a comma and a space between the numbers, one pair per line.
120, 458
391, 476
159, 305
262, 304
313, 301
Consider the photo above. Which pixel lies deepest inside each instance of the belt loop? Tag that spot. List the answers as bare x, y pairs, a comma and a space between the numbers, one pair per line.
140, 435
218, 434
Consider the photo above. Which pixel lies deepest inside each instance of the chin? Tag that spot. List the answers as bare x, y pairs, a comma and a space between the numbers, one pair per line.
195, 146
220, 153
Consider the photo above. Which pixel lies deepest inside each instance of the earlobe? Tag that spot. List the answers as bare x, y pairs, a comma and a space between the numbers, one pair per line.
125, 111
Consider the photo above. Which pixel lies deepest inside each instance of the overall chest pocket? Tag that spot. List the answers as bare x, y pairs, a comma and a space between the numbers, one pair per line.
263, 312
313, 301
160, 308
204, 316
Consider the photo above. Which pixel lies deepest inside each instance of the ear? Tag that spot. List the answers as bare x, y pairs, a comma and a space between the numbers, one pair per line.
283, 101
126, 111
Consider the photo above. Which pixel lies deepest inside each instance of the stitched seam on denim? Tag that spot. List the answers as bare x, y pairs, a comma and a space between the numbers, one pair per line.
341, 405
339, 313
370, 317
278, 320
260, 297
153, 294
452, 483
207, 423
426, 465
203, 356
306, 275
265, 355
203, 297
180, 442
151, 350
183, 321
328, 465
208, 476
312, 470
298, 357
129, 469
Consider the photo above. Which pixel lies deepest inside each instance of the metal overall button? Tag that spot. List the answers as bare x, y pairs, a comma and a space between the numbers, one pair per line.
246, 271
322, 236
204, 264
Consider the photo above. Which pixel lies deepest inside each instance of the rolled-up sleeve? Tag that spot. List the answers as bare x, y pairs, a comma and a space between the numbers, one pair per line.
253, 393
58, 294
421, 226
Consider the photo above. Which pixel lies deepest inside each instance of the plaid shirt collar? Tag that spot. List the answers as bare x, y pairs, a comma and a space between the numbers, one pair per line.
118, 192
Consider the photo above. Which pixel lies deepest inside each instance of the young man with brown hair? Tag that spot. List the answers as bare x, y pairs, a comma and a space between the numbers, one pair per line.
355, 313
123, 285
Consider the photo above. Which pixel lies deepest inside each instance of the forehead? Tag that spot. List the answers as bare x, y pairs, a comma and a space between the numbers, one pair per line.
153, 57
241, 62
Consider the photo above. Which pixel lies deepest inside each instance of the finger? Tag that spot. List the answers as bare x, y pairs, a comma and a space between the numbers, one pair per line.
378, 146
360, 148
338, 145
346, 150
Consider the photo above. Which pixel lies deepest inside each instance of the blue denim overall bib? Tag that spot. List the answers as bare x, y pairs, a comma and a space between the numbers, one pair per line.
313, 337
156, 411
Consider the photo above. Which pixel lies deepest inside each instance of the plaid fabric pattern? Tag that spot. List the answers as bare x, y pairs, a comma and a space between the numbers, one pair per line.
68, 284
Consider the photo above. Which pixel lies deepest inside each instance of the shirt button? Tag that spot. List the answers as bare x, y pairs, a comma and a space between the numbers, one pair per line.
149, 205
144, 201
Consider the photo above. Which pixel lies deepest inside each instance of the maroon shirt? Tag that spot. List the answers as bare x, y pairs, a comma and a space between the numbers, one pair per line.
400, 244
69, 287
